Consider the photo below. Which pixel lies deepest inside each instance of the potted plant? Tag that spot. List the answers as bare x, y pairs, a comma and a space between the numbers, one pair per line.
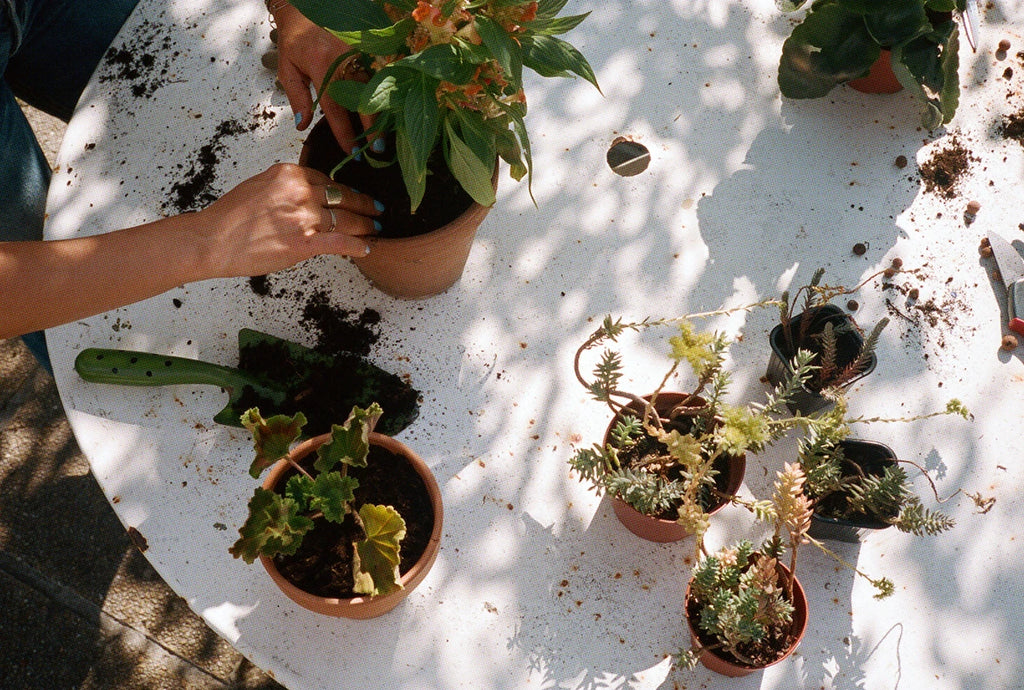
857, 486
669, 460
841, 353
839, 41
746, 610
312, 524
444, 81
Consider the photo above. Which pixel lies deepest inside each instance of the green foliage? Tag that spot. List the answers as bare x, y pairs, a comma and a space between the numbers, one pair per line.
446, 76
277, 523
741, 599
661, 459
271, 437
839, 40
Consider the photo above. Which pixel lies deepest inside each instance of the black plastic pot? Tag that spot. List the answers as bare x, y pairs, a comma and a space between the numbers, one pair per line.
849, 343
873, 458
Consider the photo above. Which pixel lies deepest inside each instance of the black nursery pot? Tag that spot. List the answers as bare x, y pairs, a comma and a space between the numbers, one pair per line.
873, 458
849, 344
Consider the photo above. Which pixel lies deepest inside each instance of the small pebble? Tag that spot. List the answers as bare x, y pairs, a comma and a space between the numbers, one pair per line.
860, 248
852, 305
897, 263
914, 293
901, 162
973, 207
269, 59
1009, 343
1004, 45
273, 35
985, 251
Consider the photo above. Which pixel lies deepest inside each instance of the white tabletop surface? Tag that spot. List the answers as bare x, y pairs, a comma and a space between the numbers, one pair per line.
537, 584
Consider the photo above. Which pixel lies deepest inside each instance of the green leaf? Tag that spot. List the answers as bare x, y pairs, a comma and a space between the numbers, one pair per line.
555, 25
829, 47
350, 442
376, 558
387, 41
445, 62
552, 57
506, 51
273, 527
331, 493
930, 76
382, 92
477, 132
472, 173
347, 93
414, 170
898, 23
546, 9
298, 488
351, 15
272, 438
422, 116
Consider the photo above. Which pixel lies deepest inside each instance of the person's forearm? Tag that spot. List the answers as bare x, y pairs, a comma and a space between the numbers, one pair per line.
44, 284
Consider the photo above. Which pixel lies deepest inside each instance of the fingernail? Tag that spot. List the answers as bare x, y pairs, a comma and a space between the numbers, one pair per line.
298, 119
355, 191
378, 205
358, 155
377, 145
367, 250
377, 227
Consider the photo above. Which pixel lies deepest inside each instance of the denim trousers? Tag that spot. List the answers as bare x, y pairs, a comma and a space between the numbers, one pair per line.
48, 51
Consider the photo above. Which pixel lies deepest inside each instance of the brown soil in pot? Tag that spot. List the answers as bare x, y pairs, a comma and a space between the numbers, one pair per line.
444, 201
323, 563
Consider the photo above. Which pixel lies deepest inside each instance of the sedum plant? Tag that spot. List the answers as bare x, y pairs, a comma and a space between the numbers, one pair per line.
663, 461
739, 598
446, 78
277, 522
824, 335
887, 497
839, 40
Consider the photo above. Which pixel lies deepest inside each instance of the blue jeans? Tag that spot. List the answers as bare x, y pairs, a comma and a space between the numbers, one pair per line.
48, 51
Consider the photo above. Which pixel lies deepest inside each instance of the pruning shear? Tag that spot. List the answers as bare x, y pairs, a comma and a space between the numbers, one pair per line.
969, 16
1011, 267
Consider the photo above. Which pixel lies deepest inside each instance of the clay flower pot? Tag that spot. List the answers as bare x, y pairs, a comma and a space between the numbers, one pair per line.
361, 606
880, 79
656, 529
404, 267
873, 458
721, 663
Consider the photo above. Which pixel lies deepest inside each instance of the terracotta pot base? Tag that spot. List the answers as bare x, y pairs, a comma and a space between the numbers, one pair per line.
880, 79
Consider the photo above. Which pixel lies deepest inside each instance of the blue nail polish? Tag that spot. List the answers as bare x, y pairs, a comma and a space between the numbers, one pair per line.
378, 205
298, 119
355, 191
377, 145
377, 227
358, 155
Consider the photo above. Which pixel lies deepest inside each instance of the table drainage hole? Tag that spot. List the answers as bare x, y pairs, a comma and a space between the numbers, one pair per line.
628, 158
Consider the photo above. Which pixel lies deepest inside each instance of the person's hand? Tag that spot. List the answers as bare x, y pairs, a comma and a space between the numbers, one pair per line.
281, 217
306, 52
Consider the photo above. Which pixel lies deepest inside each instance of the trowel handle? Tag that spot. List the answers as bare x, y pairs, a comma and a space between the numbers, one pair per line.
1015, 305
131, 368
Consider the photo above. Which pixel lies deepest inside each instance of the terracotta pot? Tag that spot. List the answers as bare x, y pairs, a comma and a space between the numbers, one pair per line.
849, 345
363, 607
420, 266
873, 458
657, 529
880, 79
720, 664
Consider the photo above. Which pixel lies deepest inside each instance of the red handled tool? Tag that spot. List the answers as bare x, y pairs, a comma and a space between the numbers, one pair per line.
1011, 267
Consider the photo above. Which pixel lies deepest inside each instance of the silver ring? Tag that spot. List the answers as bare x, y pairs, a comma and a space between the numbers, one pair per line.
333, 197
334, 221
